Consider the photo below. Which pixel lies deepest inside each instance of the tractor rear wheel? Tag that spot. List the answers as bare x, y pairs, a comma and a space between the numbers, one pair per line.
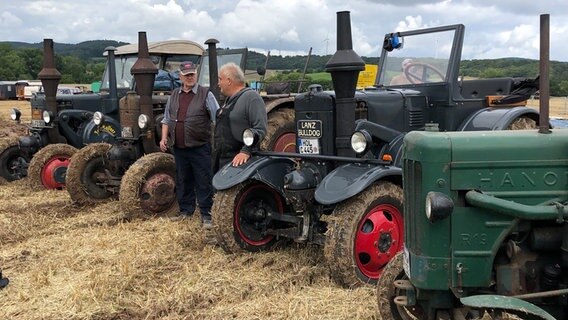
364, 233
239, 217
13, 162
148, 187
48, 166
386, 292
280, 132
86, 177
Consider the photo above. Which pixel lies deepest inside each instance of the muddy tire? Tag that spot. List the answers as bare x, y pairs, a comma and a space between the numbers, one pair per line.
147, 188
364, 233
386, 292
234, 224
522, 123
48, 166
280, 132
13, 162
86, 175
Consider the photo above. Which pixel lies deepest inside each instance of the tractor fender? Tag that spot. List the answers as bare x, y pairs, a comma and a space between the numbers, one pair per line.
269, 170
107, 131
348, 180
271, 103
506, 303
496, 118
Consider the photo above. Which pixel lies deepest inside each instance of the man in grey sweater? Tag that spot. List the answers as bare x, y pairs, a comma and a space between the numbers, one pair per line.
243, 108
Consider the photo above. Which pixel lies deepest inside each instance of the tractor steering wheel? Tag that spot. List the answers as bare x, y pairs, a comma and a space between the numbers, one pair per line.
416, 72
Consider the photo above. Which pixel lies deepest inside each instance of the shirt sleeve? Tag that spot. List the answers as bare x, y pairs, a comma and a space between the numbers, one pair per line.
167, 120
212, 105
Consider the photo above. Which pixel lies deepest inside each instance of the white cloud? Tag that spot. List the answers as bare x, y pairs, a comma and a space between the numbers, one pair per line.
493, 28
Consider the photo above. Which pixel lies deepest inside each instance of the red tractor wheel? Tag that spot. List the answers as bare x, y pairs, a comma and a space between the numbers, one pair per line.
148, 187
240, 217
280, 132
13, 162
48, 167
364, 233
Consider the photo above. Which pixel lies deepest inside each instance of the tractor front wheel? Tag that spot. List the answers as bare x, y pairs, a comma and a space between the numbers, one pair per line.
148, 187
13, 162
240, 217
48, 166
386, 292
364, 233
86, 178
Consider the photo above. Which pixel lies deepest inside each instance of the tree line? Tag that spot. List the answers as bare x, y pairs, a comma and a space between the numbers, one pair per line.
84, 63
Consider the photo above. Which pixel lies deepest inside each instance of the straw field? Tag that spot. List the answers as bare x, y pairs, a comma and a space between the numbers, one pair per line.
69, 262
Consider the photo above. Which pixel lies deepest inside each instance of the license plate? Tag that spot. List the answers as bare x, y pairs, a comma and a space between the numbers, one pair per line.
38, 123
308, 146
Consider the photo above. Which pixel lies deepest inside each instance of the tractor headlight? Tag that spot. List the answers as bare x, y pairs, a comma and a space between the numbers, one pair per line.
249, 137
438, 206
47, 117
98, 118
360, 141
15, 114
143, 121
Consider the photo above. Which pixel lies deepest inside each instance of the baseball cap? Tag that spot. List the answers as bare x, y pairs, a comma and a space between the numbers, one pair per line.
187, 67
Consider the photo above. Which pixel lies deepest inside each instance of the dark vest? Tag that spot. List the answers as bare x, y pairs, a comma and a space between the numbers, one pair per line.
197, 122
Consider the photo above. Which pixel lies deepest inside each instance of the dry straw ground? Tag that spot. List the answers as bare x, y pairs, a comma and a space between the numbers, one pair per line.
68, 262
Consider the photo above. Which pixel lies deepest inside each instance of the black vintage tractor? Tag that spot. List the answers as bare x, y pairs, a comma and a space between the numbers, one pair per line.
486, 224
342, 189
60, 125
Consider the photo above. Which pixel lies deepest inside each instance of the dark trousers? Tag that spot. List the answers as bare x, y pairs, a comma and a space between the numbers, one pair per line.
194, 174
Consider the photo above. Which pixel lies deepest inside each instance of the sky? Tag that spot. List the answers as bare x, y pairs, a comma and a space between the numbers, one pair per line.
494, 28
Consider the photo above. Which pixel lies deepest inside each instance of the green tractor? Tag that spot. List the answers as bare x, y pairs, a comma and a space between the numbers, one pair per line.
486, 225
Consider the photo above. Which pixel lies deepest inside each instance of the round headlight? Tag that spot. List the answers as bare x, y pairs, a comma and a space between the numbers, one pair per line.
438, 206
360, 141
46, 116
248, 137
15, 114
98, 118
143, 121
428, 207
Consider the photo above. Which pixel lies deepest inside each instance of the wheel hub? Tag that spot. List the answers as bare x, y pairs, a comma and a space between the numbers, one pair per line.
385, 242
378, 239
158, 193
53, 172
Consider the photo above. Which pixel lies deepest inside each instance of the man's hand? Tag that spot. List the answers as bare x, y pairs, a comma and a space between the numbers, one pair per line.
164, 145
240, 159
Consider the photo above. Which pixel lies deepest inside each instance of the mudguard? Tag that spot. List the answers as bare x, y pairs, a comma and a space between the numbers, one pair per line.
496, 118
105, 132
506, 303
350, 179
269, 170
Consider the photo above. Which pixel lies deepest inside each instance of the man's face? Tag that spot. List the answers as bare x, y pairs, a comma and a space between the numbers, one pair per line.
224, 83
188, 79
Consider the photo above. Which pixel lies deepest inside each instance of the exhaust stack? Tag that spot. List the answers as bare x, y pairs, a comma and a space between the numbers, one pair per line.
344, 67
49, 76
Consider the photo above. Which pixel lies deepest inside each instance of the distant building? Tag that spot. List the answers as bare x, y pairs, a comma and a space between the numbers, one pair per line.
25, 88
7, 90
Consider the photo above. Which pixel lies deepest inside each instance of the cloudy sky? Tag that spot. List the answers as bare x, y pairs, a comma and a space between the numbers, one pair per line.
494, 28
